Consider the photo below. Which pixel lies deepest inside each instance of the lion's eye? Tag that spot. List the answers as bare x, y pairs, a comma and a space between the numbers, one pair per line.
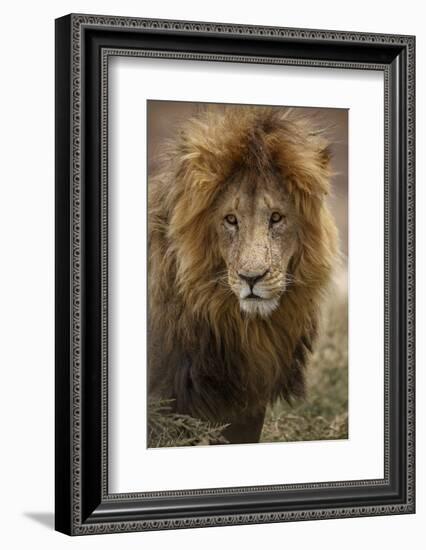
231, 219
276, 217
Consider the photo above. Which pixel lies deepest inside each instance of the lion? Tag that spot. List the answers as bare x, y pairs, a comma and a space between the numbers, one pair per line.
241, 251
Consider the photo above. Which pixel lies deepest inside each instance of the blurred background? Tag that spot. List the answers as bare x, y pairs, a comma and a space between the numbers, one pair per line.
323, 415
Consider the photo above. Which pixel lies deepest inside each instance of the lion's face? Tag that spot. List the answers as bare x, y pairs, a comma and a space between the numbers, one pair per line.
257, 228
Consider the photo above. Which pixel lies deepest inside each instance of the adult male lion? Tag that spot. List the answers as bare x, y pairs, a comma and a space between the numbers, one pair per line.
241, 247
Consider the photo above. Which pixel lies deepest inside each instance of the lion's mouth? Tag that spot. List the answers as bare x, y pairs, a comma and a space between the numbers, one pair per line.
253, 297
254, 304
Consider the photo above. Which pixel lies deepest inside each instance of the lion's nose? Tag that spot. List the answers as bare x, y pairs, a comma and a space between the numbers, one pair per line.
252, 278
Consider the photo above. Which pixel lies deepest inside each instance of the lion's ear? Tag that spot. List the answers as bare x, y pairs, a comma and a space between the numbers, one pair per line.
324, 160
325, 156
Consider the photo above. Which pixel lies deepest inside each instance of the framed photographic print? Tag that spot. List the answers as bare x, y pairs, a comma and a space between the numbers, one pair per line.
234, 274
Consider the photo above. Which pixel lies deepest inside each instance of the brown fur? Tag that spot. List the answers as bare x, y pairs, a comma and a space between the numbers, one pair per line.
204, 352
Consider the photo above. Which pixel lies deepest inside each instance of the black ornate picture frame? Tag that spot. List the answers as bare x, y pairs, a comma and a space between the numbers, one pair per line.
84, 43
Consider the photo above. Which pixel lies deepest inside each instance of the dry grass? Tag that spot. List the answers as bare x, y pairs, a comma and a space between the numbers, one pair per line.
322, 415
168, 429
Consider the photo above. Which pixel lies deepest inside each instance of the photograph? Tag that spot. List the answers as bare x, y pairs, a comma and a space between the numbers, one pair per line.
247, 273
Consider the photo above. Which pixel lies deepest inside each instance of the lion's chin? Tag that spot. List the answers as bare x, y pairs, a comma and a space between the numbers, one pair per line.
261, 306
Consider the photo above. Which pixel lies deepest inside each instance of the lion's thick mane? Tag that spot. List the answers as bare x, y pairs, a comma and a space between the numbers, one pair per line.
204, 352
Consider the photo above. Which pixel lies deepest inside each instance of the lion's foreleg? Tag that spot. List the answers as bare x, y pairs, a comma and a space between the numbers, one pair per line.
245, 429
